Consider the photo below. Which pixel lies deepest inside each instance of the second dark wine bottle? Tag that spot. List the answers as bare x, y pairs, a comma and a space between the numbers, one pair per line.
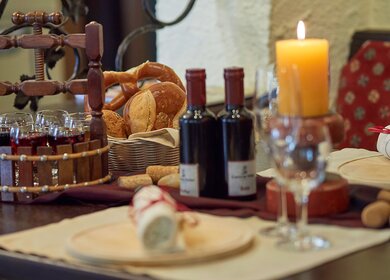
237, 174
198, 128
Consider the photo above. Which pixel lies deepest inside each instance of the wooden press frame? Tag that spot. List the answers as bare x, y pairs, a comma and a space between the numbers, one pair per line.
92, 86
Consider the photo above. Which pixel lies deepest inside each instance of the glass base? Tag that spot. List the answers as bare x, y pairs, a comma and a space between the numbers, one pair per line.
285, 231
307, 243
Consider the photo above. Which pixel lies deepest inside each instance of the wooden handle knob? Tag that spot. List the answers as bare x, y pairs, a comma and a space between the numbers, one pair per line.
36, 17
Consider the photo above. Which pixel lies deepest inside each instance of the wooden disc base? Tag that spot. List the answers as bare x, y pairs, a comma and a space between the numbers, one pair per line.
331, 197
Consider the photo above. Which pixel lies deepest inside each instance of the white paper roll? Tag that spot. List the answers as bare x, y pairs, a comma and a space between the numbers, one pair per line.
155, 218
383, 144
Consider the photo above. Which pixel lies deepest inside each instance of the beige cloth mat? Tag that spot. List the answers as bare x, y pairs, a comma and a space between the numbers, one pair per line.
261, 261
339, 158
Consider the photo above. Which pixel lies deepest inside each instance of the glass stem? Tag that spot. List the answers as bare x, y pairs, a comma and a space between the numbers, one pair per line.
301, 215
282, 209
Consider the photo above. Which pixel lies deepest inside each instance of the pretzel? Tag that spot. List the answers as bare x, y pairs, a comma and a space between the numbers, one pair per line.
128, 81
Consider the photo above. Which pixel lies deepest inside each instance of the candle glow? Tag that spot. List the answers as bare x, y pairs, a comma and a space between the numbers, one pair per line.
301, 32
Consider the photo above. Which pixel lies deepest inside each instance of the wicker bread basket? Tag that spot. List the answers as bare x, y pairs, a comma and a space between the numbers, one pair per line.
160, 147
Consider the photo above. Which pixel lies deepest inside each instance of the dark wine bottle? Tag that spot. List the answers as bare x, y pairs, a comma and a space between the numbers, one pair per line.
236, 161
198, 128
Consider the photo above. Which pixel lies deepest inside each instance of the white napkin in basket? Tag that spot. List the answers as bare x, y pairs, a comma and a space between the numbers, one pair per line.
165, 136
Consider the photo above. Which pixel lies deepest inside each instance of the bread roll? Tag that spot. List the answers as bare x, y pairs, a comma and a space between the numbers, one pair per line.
140, 112
156, 172
175, 121
169, 101
376, 214
171, 180
115, 124
384, 195
135, 181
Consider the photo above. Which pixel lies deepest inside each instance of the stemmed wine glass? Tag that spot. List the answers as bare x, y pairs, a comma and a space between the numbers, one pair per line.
265, 109
300, 149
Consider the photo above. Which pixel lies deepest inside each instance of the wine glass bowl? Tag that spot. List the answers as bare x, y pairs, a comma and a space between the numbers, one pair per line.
26, 136
20, 118
300, 146
7, 120
45, 118
61, 135
81, 121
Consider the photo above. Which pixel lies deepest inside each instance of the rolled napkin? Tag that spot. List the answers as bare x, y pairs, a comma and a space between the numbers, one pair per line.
383, 143
154, 214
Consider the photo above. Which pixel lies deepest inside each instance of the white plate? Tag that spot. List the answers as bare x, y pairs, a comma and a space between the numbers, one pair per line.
213, 237
373, 171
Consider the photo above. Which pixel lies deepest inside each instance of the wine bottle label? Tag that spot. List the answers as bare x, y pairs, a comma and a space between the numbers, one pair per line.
241, 177
189, 179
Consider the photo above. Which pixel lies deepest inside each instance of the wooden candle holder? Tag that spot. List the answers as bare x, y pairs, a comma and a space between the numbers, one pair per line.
335, 124
93, 86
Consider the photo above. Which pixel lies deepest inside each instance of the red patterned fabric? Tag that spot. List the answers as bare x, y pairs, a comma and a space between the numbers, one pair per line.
364, 94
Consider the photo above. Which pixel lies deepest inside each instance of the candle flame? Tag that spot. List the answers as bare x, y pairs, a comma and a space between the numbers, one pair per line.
301, 30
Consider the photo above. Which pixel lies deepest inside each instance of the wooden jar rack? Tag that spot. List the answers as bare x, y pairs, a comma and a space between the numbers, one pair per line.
80, 165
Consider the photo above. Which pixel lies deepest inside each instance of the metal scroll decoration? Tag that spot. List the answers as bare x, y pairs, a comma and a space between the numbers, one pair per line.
155, 25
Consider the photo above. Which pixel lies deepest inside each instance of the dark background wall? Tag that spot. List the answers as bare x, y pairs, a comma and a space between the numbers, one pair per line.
120, 17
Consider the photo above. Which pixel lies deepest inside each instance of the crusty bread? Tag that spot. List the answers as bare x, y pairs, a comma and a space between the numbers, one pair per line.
376, 214
115, 124
171, 180
134, 181
155, 107
176, 118
169, 100
140, 112
156, 172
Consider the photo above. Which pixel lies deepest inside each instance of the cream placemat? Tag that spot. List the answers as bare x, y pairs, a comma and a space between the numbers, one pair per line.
262, 261
336, 159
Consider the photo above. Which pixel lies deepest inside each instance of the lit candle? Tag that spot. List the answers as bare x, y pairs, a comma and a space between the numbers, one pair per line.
306, 61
